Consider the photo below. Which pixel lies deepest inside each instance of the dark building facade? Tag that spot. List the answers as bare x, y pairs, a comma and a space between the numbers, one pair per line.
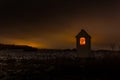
83, 44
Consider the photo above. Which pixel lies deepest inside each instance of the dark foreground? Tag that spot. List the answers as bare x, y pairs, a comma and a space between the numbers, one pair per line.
60, 69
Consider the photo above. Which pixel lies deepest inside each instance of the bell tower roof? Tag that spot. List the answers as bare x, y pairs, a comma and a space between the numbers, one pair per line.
83, 33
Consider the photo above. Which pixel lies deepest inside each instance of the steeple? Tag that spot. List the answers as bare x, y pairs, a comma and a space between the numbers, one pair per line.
83, 33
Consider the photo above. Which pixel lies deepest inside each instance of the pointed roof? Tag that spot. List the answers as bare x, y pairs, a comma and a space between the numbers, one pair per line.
83, 33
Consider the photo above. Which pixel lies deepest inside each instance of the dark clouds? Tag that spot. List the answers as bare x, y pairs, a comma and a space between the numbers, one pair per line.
54, 23
30, 9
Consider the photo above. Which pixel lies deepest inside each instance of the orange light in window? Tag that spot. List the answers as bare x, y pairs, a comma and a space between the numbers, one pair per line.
82, 41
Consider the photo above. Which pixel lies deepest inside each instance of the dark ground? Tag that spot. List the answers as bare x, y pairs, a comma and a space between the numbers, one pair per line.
60, 69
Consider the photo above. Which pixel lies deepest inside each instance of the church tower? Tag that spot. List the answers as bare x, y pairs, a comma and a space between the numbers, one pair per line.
83, 44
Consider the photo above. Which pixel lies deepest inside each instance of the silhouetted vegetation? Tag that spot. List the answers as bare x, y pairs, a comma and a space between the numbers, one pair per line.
60, 69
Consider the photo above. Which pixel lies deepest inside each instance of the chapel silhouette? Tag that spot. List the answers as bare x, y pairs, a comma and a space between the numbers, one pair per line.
83, 44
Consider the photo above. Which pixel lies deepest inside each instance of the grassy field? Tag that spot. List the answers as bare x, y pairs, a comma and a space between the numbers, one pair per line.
60, 69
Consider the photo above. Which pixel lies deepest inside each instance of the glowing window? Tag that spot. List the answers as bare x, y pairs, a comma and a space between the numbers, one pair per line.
82, 41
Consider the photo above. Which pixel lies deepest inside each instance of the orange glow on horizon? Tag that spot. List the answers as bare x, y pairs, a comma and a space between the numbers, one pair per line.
28, 44
24, 42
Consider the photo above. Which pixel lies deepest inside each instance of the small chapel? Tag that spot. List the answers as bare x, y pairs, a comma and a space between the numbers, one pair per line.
83, 44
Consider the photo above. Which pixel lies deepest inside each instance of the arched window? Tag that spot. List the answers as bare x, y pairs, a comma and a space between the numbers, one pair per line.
82, 41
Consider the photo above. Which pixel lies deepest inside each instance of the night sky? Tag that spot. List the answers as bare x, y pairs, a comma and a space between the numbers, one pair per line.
55, 23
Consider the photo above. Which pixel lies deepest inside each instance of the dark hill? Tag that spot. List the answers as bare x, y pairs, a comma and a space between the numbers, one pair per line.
21, 47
